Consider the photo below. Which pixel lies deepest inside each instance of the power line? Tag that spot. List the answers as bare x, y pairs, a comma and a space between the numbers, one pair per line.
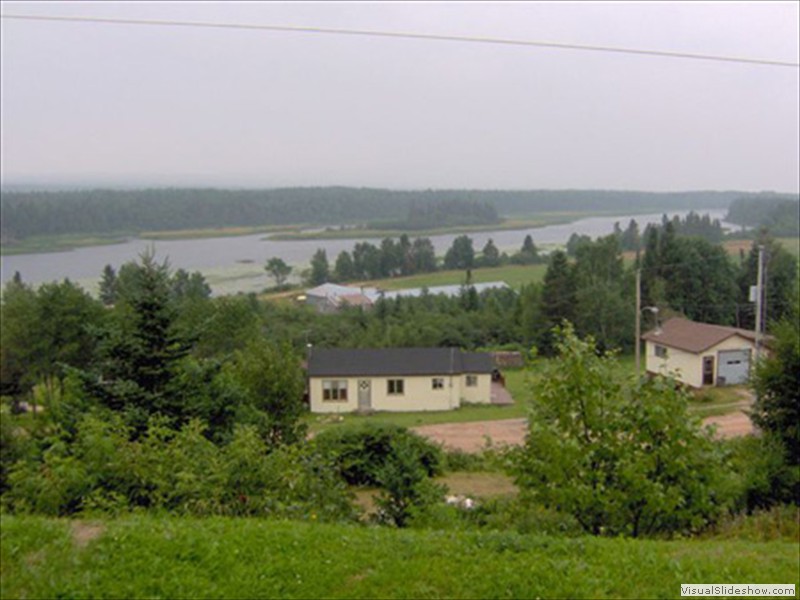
408, 35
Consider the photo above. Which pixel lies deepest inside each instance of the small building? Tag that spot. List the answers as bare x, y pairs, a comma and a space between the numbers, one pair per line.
446, 290
397, 379
330, 297
699, 354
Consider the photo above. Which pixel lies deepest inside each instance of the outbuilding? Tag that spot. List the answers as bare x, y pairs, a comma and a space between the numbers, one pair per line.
700, 354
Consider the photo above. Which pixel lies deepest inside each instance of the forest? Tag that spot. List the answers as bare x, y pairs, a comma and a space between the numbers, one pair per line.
780, 215
132, 211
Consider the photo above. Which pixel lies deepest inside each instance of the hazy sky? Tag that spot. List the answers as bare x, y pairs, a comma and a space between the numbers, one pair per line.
107, 103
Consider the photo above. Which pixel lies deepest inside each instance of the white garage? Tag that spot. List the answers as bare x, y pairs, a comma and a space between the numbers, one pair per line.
733, 367
700, 354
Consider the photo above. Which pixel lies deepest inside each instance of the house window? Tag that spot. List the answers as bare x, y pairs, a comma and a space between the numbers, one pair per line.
661, 351
472, 381
334, 390
394, 387
437, 383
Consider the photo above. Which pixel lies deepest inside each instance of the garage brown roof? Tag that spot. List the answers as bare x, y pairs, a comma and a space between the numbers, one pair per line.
690, 336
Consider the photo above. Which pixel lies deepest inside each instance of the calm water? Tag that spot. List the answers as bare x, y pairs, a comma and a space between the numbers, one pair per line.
241, 258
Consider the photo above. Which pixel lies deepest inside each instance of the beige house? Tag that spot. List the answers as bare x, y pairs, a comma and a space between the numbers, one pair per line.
397, 379
699, 354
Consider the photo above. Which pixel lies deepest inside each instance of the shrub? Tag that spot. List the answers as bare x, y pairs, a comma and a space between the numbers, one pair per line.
623, 457
178, 471
362, 451
407, 489
763, 479
523, 516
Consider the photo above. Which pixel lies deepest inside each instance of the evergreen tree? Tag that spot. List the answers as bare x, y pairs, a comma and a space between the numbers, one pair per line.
344, 269
140, 352
108, 286
491, 255
319, 268
781, 281
528, 254
461, 254
424, 255
558, 296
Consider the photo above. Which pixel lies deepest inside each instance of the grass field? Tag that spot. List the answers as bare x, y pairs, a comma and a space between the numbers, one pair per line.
215, 232
792, 245
514, 275
170, 557
59, 243
514, 223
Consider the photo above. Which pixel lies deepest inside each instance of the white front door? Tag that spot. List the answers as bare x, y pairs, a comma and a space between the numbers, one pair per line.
364, 394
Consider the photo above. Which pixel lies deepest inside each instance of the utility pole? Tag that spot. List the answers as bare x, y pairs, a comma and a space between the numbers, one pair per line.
638, 320
759, 300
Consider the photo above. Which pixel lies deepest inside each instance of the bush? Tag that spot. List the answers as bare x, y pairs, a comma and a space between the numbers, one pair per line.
523, 516
622, 457
763, 479
362, 451
408, 491
177, 471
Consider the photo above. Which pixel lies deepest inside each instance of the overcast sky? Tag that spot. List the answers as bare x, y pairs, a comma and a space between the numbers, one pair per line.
122, 104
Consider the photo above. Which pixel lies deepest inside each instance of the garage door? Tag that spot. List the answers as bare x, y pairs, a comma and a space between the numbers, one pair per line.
733, 366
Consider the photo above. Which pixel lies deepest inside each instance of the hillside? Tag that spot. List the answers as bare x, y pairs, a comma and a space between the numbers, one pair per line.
252, 558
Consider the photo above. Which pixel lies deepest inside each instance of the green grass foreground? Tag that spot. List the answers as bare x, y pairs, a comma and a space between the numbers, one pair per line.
173, 557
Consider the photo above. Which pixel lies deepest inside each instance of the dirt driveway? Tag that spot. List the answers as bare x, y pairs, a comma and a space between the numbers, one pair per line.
473, 437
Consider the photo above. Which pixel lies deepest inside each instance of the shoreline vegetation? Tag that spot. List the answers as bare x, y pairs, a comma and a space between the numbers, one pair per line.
517, 222
295, 232
41, 244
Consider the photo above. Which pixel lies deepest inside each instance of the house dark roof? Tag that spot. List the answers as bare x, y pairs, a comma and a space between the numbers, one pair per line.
396, 361
693, 337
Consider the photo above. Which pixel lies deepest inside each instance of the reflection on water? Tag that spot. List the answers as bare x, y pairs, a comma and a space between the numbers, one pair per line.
230, 259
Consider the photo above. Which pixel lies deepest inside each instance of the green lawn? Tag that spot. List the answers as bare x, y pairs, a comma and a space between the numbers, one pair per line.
515, 382
514, 275
792, 245
171, 557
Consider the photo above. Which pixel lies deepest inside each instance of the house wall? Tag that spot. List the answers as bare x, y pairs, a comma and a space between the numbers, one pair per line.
418, 394
479, 394
687, 367
318, 405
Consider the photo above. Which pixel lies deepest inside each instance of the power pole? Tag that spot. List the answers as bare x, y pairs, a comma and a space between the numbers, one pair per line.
638, 320
759, 300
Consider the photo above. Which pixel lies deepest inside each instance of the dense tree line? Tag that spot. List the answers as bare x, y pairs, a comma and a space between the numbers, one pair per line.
630, 239
779, 214
113, 211
443, 213
403, 257
160, 397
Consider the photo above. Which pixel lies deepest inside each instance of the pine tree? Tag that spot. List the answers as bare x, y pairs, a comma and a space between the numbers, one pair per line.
558, 296
108, 286
140, 352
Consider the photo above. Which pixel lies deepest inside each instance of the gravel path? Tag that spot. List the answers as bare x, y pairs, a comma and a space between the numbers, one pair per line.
473, 437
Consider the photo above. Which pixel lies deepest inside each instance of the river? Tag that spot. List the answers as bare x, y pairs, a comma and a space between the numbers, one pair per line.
233, 264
